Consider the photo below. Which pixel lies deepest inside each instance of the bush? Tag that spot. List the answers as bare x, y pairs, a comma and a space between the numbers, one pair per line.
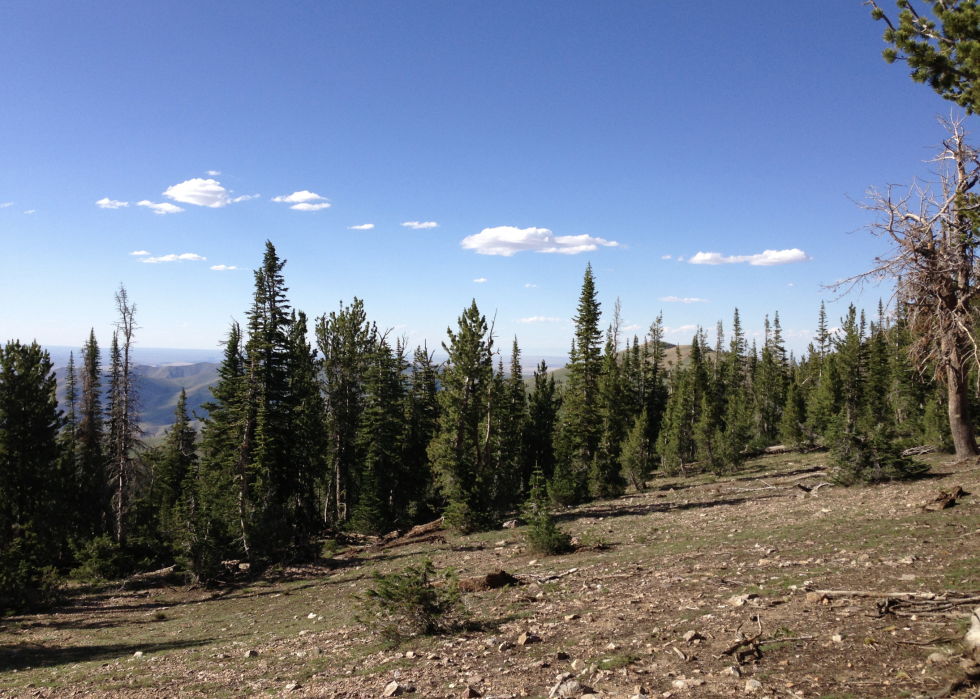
100, 558
868, 457
543, 535
410, 605
25, 583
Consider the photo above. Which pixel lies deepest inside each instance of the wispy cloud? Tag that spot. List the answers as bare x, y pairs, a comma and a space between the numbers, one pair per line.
190, 256
213, 173
480, 280
682, 329
362, 227
222, 268
108, 203
677, 299
634, 326
767, 258
6, 204
164, 208
139, 252
538, 319
665, 257
301, 201
530, 286
30, 211
245, 197
508, 240
420, 225
199, 192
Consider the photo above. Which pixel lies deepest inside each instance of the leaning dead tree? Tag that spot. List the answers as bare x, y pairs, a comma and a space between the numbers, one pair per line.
933, 228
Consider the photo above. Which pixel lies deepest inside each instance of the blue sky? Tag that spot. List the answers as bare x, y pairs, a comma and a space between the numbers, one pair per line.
611, 133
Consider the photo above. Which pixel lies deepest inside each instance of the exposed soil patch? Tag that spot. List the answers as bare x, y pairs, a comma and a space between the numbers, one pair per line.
700, 588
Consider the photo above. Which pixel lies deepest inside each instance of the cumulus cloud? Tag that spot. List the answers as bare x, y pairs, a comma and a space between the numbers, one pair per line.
6, 204
108, 203
222, 268
538, 319
199, 192
665, 257
301, 201
164, 208
480, 280
419, 225
677, 299
530, 286
213, 172
139, 252
310, 207
508, 240
767, 258
175, 258
682, 329
362, 227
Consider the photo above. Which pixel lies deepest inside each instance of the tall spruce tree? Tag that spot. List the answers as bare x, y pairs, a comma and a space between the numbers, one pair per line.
91, 502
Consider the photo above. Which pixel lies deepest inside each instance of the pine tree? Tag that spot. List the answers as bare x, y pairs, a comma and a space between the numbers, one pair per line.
604, 478
543, 406
581, 428
422, 424
91, 503
173, 468
29, 492
460, 453
636, 453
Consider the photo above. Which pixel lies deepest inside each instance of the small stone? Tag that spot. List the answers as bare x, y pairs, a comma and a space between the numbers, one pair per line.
251, 653
752, 686
837, 638
612, 646
741, 600
138, 654
304, 632
470, 693
691, 636
814, 598
222, 656
506, 645
510, 524
410, 654
526, 639
863, 557
937, 659
572, 617
972, 638
393, 689
311, 615
502, 542
293, 686
638, 689
578, 665
908, 577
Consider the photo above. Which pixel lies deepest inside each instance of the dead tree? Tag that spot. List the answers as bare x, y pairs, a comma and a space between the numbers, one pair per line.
933, 228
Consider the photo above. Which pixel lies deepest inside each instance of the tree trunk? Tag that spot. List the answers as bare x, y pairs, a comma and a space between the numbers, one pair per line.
959, 413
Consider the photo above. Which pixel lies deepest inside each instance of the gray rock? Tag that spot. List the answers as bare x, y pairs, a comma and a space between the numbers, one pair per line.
753, 686
251, 653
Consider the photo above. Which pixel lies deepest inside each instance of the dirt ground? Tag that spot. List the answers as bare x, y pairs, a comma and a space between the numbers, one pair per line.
725, 558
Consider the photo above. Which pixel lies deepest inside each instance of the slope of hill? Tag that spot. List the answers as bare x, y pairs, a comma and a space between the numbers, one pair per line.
561, 374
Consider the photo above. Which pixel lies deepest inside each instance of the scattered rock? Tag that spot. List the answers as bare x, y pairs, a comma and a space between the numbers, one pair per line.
691, 636
561, 655
222, 656
742, 600
732, 671
490, 581
572, 617
138, 654
569, 688
511, 524
311, 615
526, 639
972, 669
612, 646
686, 684
470, 693
293, 686
753, 686
410, 654
506, 645
837, 638
393, 689
578, 665
908, 577
251, 653
937, 659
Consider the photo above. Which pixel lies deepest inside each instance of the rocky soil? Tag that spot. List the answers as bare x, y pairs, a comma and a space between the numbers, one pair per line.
757, 585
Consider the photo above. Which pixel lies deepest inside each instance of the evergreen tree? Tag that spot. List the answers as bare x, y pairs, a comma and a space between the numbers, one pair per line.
174, 467
29, 490
604, 478
636, 453
460, 451
543, 406
422, 424
91, 503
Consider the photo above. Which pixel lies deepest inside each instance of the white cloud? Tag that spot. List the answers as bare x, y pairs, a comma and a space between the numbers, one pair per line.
5, 205
175, 258
222, 268
635, 326
508, 240
682, 329
140, 252
680, 258
309, 207
362, 227
245, 197
665, 257
298, 197
213, 172
419, 225
538, 319
160, 208
108, 203
199, 192
480, 280
677, 299
767, 258
30, 211
790, 284
530, 286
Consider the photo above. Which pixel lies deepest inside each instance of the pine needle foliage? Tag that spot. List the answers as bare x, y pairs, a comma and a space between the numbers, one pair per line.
407, 603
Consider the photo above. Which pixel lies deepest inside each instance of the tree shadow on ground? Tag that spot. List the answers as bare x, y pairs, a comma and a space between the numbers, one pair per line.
34, 655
